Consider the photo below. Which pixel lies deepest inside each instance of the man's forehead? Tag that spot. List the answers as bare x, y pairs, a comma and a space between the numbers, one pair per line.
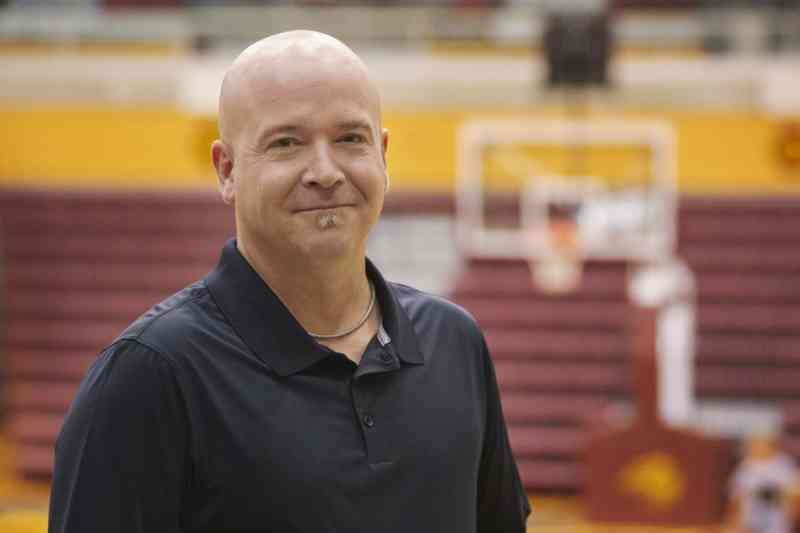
290, 65
304, 74
276, 69
298, 93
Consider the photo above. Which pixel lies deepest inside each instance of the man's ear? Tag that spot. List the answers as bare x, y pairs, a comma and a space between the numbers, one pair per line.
222, 158
384, 148
384, 144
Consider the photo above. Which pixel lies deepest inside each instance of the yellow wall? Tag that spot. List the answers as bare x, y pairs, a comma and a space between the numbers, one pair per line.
129, 147
163, 147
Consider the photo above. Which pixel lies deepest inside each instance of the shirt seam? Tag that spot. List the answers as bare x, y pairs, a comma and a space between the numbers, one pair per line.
193, 452
137, 336
136, 339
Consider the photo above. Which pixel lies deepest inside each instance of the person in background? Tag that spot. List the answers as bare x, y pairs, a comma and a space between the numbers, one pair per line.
765, 488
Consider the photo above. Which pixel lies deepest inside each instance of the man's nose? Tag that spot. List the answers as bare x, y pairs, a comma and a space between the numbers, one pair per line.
323, 170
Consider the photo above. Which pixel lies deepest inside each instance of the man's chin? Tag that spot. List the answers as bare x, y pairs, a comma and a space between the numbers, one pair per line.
328, 219
331, 241
328, 254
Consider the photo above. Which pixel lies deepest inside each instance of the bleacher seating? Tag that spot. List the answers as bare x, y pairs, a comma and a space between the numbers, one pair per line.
79, 266
559, 359
745, 254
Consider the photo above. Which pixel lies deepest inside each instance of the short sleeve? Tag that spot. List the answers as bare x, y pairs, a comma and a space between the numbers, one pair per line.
122, 458
502, 502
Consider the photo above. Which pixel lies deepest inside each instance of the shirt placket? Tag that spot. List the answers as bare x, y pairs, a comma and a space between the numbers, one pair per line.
377, 361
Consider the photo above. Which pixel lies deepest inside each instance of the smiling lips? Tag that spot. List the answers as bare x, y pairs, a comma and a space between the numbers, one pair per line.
321, 208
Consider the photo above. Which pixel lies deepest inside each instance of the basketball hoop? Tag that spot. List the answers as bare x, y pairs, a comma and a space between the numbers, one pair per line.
560, 270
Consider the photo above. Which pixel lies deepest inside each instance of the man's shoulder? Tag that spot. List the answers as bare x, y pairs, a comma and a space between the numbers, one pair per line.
421, 305
178, 318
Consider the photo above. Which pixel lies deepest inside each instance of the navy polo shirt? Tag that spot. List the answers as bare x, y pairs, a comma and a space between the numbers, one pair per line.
216, 412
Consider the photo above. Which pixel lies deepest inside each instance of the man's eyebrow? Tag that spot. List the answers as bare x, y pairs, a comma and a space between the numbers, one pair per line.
280, 128
354, 125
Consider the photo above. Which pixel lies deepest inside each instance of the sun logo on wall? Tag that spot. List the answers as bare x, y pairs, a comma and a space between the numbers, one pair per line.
788, 146
655, 478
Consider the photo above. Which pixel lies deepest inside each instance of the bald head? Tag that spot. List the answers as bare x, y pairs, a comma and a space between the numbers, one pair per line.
271, 64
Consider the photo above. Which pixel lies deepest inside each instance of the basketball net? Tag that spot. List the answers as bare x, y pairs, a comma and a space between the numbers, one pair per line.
560, 270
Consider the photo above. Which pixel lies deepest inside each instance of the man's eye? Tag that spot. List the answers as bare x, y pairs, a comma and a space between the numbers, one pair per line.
283, 142
353, 138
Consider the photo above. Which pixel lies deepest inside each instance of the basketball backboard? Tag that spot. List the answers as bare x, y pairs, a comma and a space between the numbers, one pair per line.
612, 181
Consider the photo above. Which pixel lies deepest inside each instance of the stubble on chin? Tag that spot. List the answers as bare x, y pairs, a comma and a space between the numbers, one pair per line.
327, 220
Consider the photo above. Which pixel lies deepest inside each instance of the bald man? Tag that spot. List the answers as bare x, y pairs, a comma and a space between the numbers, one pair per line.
293, 389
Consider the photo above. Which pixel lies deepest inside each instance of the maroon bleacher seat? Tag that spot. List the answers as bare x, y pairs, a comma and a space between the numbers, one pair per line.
559, 359
78, 267
745, 253
555, 353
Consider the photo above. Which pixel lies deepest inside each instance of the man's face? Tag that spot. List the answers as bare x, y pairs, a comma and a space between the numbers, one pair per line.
309, 173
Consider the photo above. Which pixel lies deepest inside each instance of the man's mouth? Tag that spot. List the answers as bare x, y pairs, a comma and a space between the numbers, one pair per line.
320, 208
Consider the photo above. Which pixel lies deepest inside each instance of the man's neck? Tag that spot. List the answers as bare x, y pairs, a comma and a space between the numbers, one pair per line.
325, 295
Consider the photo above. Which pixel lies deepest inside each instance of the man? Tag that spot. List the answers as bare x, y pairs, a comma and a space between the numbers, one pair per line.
293, 389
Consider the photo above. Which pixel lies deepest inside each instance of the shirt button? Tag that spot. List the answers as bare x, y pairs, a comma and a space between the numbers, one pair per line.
368, 420
386, 357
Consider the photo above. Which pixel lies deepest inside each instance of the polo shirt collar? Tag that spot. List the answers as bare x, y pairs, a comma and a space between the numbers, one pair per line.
271, 331
395, 320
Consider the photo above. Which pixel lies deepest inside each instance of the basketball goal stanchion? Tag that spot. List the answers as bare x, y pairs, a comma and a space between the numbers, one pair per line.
567, 221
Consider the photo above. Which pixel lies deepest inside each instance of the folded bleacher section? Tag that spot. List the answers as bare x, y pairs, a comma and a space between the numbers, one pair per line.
559, 359
77, 267
745, 254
